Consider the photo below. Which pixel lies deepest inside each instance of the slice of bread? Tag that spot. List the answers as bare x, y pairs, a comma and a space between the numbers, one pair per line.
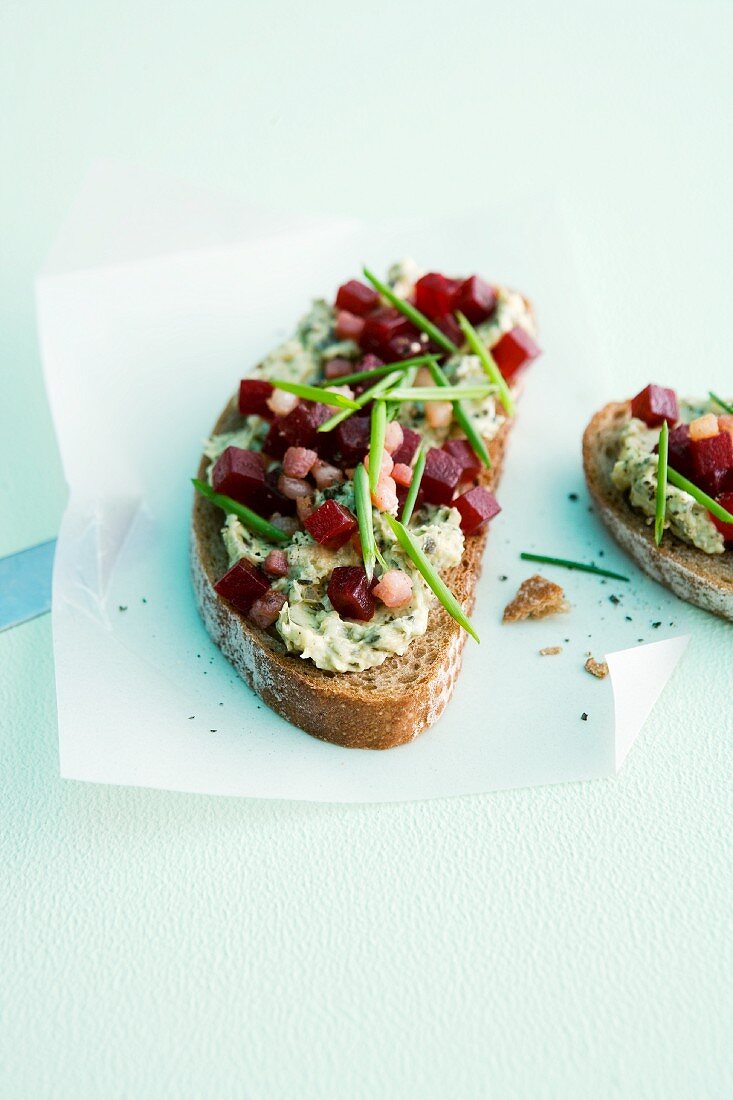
375, 709
702, 579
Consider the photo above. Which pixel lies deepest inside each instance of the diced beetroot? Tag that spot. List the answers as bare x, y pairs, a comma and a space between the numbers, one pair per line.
337, 368
514, 351
725, 500
369, 362
406, 450
465, 455
254, 394
299, 428
275, 444
269, 499
357, 298
242, 585
654, 405
717, 482
348, 591
348, 325
433, 294
402, 491
475, 298
711, 457
276, 563
351, 440
477, 507
382, 326
679, 456
450, 327
266, 609
441, 476
239, 474
331, 525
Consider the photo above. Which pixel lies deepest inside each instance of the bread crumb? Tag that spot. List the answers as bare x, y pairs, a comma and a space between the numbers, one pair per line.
596, 668
550, 650
536, 598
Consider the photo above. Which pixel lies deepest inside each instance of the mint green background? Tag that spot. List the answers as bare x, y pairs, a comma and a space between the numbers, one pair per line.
565, 942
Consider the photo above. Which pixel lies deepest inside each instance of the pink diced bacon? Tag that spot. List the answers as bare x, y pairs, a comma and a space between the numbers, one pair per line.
276, 564
294, 488
265, 611
394, 588
384, 496
281, 403
304, 508
298, 461
402, 474
385, 466
325, 475
438, 413
393, 437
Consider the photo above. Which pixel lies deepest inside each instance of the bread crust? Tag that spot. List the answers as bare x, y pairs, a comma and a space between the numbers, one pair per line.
705, 580
375, 709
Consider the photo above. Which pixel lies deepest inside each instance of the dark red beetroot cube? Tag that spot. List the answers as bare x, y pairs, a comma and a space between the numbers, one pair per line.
405, 347
269, 499
477, 507
239, 474
513, 351
331, 525
357, 298
253, 396
465, 455
679, 455
382, 326
476, 299
725, 500
348, 591
407, 448
433, 294
275, 444
654, 405
450, 327
441, 476
717, 482
351, 439
242, 585
402, 491
711, 457
299, 427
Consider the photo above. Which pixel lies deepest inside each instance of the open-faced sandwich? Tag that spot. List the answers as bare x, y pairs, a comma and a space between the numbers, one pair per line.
344, 496
661, 472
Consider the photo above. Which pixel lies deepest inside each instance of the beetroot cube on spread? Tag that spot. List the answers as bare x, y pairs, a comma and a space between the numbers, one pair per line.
275, 444
253, 395
433, 294
440, 477
450, 328
678, 455
476, 299
299, 427
348, 590
331, 525
513, 351
407, 448
477, 507
654, 405
242, 585
725, 500
712, 455
465, 455
357, 298
269, 499
352, 439
239, 474
382, 326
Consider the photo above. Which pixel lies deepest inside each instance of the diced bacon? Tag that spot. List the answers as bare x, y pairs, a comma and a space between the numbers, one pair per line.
337, 368
288, 524
282, 403
385, 495
349, 471
393, 437
725, 423
394, 588
325, 475
424, 377
385, 466
438, 413
293, 487
265, 611
402, 474
298, 461
304, 508
276, 563
348, 325
704, 427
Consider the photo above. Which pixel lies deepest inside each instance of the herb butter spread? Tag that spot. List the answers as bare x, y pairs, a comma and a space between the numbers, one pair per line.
635, 472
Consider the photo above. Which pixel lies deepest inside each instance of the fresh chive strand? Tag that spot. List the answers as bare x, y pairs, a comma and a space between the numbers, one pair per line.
316, 393
431, 577
488, 362
250, 519
365, 518
462, 417
407, 310
712, 506
579, 565
412, 492
438, 393
376, 443
725, 406
379, 372
661, 503
363, 399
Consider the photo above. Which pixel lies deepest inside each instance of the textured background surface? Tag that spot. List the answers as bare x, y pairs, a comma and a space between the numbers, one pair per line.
562, 942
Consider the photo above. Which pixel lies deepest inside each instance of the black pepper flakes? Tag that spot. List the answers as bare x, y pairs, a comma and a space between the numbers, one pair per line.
584, 717
572, 496
615, 599
122, 607
656, 625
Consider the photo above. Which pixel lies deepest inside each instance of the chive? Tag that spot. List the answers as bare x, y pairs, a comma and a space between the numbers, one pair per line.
661, 483
365, 518
719, 401
418, 319
488, 362
712, 506
363, 399
316, 393
414, 484
438, 393
462, 417
376, 443
573, 565
250, 519
433, 580
379, 372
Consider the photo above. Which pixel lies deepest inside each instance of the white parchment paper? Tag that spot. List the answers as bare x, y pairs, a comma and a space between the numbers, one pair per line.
156, 300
